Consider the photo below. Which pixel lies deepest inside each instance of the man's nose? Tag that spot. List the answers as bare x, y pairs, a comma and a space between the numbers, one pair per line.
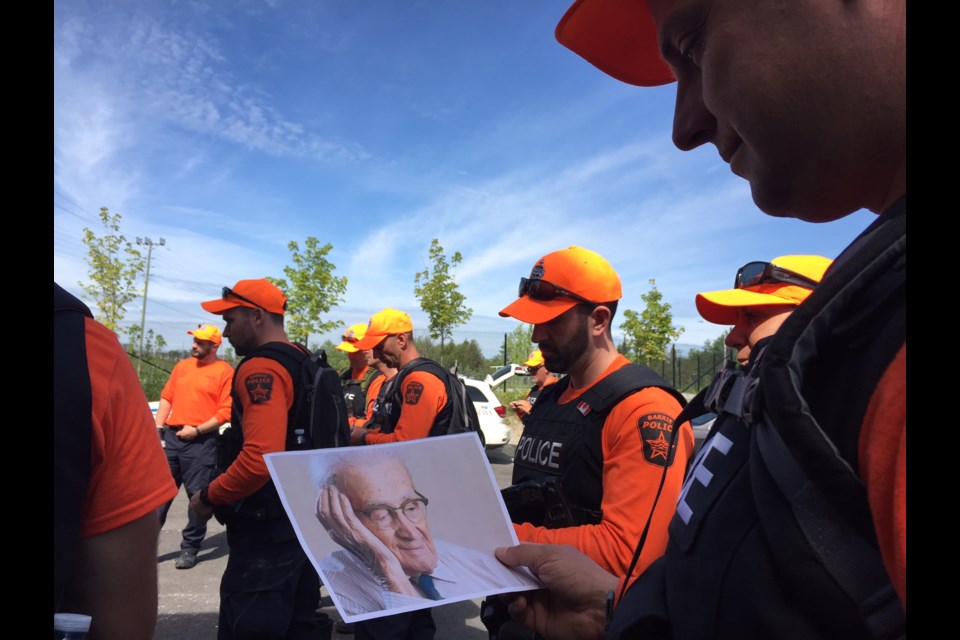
403, 527
693, 124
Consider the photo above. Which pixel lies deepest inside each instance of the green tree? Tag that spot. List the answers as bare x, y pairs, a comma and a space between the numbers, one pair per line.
519, 345
648, 333
312, 290
115, 266
439, 295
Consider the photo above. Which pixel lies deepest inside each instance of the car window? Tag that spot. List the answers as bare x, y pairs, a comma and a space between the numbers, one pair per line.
475, 394
705, 418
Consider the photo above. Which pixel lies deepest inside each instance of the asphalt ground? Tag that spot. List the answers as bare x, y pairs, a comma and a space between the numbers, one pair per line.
190, 599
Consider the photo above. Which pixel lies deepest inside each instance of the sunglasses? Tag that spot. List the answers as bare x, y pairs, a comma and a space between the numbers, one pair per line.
755, 273
227, 292
542, 290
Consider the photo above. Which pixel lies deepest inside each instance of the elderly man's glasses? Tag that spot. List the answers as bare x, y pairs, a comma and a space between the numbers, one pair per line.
227, 292
756, 273
542, 290
413, 509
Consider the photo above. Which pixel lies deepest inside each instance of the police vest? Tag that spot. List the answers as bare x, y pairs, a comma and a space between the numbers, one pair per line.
263, 504
355, 391
535, 392
563, 442
389, 410
773, 537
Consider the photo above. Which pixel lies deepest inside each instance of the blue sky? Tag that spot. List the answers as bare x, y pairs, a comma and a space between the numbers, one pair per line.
232, 128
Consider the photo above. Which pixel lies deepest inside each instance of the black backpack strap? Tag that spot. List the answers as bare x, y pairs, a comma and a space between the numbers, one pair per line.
837, 535
623, 382
72, 407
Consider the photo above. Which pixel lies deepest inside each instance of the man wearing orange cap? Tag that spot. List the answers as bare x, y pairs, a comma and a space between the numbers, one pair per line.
817, 125
194, 403
269, 588
358, 377
541, 379
603, 437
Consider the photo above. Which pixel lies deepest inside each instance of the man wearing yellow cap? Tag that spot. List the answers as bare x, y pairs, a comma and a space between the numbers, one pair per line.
602, 436
269, 588
357, 378
807, 102
541, 378
194, 403
413, 404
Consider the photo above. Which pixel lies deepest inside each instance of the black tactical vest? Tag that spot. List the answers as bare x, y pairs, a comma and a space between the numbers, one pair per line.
564, 442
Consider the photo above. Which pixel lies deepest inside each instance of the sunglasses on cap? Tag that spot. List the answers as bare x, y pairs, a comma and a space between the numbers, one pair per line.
542, 290
227, 292
755, 273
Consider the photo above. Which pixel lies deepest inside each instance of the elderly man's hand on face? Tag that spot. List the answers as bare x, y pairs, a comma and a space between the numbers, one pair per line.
336, 514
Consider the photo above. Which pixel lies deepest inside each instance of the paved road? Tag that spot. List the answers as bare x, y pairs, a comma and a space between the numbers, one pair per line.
190, 599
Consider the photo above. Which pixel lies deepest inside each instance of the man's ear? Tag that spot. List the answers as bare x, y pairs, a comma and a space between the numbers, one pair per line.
403, 340
601, 319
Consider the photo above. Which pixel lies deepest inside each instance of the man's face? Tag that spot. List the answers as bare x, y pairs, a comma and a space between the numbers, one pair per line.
563, 340
388, 352
239, 330
387, 484
540, 375
788, 94
202, 348
357, 360
754, 324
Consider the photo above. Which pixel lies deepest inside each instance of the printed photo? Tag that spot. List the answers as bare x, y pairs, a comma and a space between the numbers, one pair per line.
399, 527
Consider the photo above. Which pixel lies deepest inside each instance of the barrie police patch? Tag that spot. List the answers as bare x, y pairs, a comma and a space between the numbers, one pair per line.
259, 387
656, 430
411, 395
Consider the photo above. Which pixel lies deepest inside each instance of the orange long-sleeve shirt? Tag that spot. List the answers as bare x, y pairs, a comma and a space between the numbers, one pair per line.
424, 396
129, 475
630, 479
198, 391
883, 467
372, 392
266, 395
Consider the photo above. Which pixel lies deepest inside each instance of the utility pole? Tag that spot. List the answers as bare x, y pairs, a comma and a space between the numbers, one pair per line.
146, 283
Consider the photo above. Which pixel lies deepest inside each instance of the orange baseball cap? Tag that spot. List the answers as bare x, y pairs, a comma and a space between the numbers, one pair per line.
388, 322
207, 332
535, 359
618, 37
785, 280
351, 336
560, 281
254, 294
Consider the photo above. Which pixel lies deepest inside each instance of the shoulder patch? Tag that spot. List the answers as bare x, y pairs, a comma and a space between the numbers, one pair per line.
411, 395
656, 430
259, 387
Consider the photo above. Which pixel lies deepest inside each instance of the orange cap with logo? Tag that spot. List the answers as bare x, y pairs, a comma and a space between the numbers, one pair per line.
787, 280
351, 336
618, 37
207, 332
388, 322
253, 294
560, 281
535, 359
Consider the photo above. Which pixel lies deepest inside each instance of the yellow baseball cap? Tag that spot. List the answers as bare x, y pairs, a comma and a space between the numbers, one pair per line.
207, 332
387, 322
787, 280
535, 359
351, 336
560, 281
